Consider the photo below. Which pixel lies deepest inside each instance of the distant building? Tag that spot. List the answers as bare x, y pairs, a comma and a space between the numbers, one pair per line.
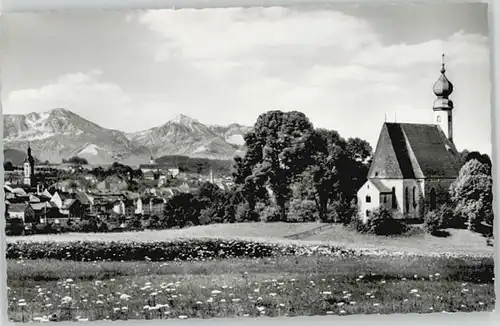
159, 168
412, 162
112, 183
21, 211
29, 169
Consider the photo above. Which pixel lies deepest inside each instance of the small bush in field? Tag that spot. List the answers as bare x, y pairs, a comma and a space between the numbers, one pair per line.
380, 222
356, 224
433, 222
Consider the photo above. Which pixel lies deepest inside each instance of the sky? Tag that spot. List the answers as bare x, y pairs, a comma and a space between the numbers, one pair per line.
347, 67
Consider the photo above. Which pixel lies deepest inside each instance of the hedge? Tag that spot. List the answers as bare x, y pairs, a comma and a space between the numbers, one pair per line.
192, 250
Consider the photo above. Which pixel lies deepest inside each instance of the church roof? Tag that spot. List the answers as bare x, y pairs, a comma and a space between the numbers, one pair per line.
409, 151
381, 187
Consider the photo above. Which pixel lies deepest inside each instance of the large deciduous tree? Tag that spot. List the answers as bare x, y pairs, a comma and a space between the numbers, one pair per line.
321, 181
278, 150
472, 193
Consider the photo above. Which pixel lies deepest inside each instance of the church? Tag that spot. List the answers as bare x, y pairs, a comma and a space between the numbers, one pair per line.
412, 162
29, 169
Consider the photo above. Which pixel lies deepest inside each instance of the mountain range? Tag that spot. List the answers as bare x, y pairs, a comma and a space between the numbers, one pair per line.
60, 134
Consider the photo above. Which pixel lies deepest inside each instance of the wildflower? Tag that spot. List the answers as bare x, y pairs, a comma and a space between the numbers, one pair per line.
376, 304
66, 300
272, 294
414, 291
329, 312
124, 296
236, 300
327, 292
216, 292
342, 311
222, 300
183, 317
340, 304
69, 280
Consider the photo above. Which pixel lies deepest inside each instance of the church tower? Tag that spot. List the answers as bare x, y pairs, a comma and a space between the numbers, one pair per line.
443, 106
29, 168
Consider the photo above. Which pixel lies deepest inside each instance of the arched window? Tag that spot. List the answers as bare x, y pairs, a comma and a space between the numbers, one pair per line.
368, 199
394, 204
414, 197
407, 200
433, 199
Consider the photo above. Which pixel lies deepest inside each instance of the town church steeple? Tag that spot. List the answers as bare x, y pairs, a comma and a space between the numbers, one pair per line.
443, 106
29, 168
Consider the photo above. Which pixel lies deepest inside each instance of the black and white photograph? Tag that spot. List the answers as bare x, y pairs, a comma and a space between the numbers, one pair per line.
248, 162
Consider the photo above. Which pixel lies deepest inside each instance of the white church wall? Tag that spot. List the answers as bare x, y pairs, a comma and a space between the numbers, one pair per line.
397, 184
367, 190
413, 205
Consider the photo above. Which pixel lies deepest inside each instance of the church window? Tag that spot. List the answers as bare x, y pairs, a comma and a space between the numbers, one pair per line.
385, 199
433, 199
438, 119
376, 174
367, 213
449, 118
368, 199
394, 204
414, 197
407, 200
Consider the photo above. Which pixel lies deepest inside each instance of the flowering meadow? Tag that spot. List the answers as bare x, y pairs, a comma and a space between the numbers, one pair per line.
228, 278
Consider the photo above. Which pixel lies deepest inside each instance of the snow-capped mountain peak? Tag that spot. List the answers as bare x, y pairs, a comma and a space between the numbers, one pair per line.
60, 133
183, 120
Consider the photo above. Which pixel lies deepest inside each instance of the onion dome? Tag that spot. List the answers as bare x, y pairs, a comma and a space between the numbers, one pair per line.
442, 89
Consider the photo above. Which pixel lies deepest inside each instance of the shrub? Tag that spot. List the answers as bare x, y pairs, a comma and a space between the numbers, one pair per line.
380, 222
356, 224
174, 250
342, 211
302, 210
450, 218
243, 214
267, 212
433, 222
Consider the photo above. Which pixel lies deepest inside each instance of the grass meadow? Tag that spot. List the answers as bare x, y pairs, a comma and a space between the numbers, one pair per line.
310, 284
